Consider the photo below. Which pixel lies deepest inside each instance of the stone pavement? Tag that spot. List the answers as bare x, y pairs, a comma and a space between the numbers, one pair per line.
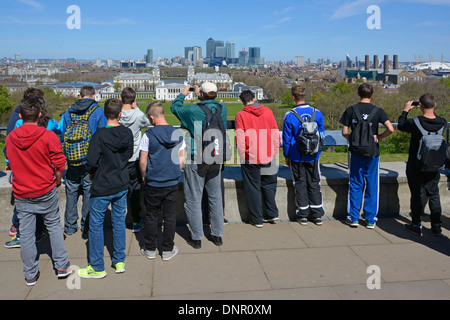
283, 261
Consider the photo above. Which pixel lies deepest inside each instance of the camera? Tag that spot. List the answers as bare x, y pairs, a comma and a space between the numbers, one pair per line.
191, 89
416, 103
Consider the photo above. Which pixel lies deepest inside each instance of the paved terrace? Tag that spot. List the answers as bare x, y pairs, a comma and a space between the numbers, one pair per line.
283, 261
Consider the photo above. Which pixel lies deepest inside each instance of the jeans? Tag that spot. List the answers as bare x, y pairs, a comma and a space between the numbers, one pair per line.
196, 178
134, 191
46, 206
74, 179
98, 208
160, 200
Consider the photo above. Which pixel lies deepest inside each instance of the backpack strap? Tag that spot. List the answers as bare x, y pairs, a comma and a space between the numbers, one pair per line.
419, 126
295, 113
88, 113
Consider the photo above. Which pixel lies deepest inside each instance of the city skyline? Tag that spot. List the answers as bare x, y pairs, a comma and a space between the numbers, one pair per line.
283, 30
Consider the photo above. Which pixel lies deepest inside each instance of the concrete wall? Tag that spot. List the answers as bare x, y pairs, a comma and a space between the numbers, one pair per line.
394, 194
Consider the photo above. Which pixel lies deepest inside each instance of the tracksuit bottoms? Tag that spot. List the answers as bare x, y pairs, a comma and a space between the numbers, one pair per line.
364, 180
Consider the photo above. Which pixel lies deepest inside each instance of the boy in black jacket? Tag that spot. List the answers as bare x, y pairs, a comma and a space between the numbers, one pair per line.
419, 181
107, 163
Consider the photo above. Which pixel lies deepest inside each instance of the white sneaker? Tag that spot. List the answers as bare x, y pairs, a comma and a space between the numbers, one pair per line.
167, 255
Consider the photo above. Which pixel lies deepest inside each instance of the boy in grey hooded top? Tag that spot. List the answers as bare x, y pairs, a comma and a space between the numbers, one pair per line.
134, 119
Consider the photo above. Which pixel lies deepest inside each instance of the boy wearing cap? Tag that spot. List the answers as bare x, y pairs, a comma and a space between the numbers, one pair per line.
197, 175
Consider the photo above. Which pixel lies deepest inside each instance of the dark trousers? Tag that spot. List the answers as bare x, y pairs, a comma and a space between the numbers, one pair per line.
160, 200
308, 195
134, 191
258, 189
421, 184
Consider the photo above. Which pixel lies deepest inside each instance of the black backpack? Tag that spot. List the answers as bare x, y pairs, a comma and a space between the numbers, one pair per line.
432, 152
309, 141
216, 146
361, 138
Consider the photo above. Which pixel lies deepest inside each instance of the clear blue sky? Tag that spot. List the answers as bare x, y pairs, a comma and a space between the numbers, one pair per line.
283, 28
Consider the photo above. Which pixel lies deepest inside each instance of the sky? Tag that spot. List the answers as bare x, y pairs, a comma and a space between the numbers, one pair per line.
283, 29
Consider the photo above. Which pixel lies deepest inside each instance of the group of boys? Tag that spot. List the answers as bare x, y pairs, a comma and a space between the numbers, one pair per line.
118, 161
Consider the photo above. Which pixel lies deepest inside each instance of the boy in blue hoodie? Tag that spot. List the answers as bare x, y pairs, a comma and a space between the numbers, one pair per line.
305, 168
161, 161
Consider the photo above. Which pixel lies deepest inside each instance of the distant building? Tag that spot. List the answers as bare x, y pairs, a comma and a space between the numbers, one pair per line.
148, 58
222, 80
210, 46
166, 90
254, 58
72, 89
238, 87
143, 82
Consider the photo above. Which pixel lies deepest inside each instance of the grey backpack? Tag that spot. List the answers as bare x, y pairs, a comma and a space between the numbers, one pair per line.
309, 141
432, 149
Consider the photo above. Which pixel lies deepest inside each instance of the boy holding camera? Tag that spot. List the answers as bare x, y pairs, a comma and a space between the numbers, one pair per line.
420, 181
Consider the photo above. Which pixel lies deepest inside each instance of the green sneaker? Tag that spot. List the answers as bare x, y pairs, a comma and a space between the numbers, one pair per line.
90, 273
120, 267
14, 243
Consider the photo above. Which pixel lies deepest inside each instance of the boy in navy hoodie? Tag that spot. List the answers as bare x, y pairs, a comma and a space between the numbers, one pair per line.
161, 161
107, 164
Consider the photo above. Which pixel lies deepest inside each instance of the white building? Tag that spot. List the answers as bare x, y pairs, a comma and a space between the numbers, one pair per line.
170, 90
140, 81
223, 81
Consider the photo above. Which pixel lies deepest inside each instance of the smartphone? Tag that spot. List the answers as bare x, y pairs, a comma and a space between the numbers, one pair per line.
416, 103
191, 89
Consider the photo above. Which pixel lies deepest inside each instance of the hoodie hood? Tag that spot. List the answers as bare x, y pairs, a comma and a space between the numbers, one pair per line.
255, 109
26, 135
82, 105
129, 116
164, 135
113, 138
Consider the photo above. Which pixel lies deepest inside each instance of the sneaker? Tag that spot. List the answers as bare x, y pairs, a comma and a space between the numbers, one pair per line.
414, 228
90, 273
258, 225
370, 225
436, 228
12, 231
271, 220
225, 221
217, 240
32, 281
196, 244
64, 272
137, 227
148, 254
318, 221
167, 255
353, 224
120, 267
302, 221
14, 243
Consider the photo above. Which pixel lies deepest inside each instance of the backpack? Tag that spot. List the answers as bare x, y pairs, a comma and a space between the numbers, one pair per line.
309, 140
432, 149
216, 146
77, 136
361, 138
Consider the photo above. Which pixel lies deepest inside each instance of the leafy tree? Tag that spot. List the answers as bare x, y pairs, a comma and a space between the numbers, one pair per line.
6, 106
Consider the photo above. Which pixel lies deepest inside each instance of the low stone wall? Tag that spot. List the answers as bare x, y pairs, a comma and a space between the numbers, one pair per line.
394, 194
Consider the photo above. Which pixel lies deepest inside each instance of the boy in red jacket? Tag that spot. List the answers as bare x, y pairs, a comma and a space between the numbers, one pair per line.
34, 153
258, 143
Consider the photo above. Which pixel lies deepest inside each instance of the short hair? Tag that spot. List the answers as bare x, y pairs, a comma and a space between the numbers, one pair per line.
155, 109
210, 95
32, 92
247, 96
87, 91
128, 95
428, 101
31, 108
299, 93
112, 108
365, 90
